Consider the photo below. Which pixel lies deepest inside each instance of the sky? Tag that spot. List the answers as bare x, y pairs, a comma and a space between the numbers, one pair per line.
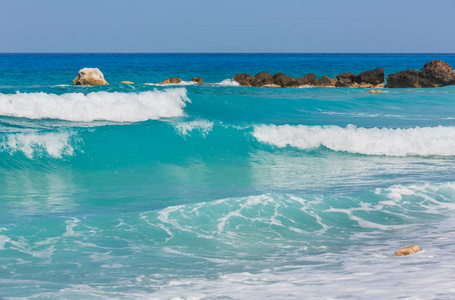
302, 26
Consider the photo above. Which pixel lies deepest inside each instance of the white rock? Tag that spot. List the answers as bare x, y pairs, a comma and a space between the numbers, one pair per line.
90, 76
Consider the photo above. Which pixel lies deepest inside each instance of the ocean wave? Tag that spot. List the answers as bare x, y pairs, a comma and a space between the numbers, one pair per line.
117, 107
418, 141
270, 218
55, 144
184, 128
227, 82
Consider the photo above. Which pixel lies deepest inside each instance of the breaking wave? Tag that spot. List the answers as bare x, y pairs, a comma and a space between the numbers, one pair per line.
54, 144
117, 107
227, 82
184, 128
418, 141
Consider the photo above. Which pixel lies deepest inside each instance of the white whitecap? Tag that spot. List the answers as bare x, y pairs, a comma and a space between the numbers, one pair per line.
184, 128
227, 82
419, 141
117, 107
55, 144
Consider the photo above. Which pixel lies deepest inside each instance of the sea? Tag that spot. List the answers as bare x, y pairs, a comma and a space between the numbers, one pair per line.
216, 191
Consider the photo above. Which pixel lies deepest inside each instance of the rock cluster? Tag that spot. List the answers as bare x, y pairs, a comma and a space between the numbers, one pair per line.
90, 76
176, 80
373, 78
433, 74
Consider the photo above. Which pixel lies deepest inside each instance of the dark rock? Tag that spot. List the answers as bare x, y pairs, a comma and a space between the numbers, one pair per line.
345, 80
326, 81
197, 80
403, 79
171, 80
436, 73
285, 81
373, 77
243, 79
308, 79
263, 78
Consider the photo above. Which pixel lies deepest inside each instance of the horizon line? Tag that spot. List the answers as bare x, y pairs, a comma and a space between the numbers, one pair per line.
416, 53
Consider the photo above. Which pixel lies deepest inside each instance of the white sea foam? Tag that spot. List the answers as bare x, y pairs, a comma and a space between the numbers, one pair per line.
32, 144
227, 82
184, 128
419, 141
183, 83
117, 107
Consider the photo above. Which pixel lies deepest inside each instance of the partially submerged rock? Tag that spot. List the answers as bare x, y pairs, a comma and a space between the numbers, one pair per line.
262, 79
243, 79
285, 81
346, 80
433, 74
373, 77
172, 80
403, 79
90, 76
374, 91
407, 250
436, 73
325, 81
197, 80
127, 82
308, 79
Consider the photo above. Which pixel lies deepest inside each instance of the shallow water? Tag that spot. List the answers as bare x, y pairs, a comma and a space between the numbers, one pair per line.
220, 191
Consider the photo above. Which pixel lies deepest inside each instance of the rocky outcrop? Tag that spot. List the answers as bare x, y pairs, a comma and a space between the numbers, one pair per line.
436, 73
346, 80
127, 82
243, 79
90, 76
374, 91
172, 80
407, 250
433, 74
261, 79
285, 81
308, 79
325, 81
197, 80
403, 79
373, 77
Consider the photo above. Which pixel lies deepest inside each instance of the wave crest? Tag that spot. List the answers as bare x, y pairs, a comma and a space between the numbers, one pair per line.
184, 128
419, 141
117, 107
227, 82
55, 144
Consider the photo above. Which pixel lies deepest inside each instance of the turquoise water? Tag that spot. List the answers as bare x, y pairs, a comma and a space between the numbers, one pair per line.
220, 191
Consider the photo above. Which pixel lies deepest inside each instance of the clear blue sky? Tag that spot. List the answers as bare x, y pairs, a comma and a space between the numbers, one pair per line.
227, 26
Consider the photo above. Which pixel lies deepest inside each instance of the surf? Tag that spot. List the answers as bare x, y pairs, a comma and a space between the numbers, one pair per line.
418, 141
102, 106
